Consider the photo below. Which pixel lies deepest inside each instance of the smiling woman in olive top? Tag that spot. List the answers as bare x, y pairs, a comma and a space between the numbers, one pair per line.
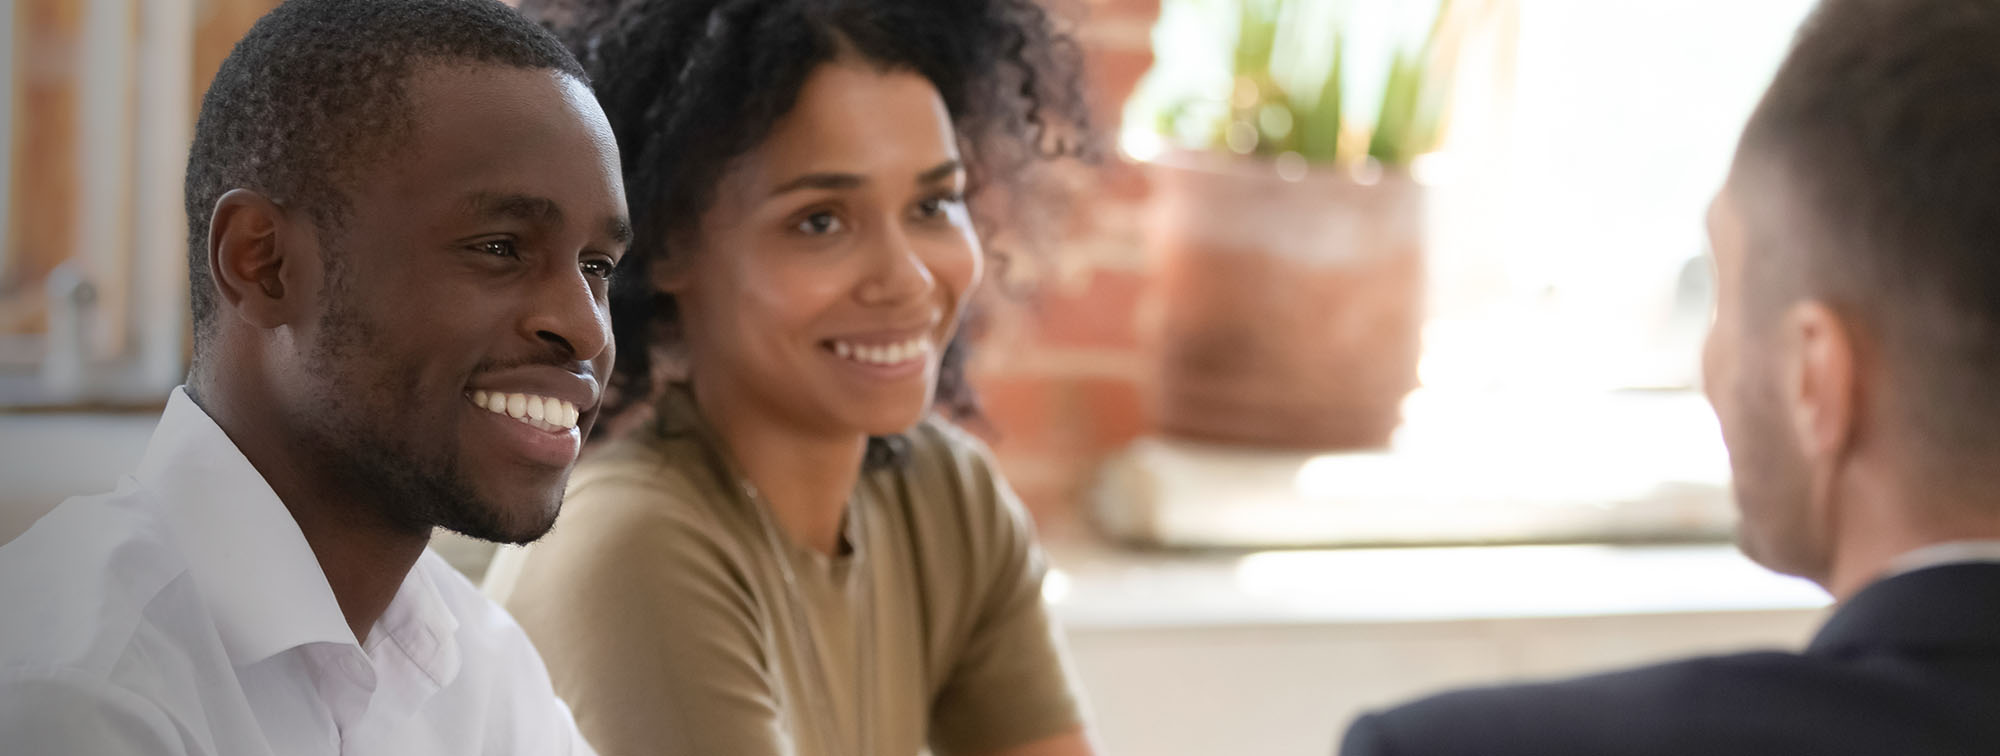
782, 550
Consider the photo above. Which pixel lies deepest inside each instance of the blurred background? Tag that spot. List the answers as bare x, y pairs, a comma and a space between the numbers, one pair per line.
1366, 362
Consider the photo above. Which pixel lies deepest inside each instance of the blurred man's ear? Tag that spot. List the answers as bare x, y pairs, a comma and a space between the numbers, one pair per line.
1820, 390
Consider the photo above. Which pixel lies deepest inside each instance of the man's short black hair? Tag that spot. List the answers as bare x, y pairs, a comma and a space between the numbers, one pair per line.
315, 94
1883, 127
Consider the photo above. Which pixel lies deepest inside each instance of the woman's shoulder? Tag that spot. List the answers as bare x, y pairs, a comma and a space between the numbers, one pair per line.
633, 506
939, 448
953, 482
642, 478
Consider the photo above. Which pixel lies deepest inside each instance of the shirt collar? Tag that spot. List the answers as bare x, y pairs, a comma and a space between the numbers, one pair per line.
253, 566
421, 624
1940, 554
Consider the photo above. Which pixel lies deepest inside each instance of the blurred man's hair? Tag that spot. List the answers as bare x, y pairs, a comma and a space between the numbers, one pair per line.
315, 94
1882, 130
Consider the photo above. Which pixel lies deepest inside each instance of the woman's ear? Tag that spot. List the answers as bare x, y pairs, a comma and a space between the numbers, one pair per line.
247, 258
670, 272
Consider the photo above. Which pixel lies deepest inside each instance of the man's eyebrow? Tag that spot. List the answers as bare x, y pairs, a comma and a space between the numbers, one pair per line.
524, 207
943, 171
826, 181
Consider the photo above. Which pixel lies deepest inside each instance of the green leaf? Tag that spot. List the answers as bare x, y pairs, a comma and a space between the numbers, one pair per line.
1256, 37
1319, 130
1399, 99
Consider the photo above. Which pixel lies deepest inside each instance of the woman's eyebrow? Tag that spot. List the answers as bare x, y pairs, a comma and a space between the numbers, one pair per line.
826, 181
941, 172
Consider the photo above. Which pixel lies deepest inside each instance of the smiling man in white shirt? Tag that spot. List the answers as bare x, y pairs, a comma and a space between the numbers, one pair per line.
403, 217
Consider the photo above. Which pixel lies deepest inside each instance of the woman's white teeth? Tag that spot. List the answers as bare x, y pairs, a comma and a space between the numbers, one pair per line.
545, 412
883, 354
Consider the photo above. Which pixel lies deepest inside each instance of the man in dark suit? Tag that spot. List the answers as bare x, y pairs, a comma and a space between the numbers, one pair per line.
1855, 365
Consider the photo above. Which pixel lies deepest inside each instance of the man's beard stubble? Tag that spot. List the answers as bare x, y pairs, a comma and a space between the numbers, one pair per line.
1772, 487
411, 488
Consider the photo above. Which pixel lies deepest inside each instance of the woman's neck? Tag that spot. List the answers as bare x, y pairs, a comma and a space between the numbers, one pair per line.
804, 478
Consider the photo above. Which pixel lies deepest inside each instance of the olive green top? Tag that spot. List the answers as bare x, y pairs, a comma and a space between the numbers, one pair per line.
660, 603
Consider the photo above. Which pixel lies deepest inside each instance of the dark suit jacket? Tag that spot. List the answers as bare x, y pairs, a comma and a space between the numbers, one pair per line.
1910, 665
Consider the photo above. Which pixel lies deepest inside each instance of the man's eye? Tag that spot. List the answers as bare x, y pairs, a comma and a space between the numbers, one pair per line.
819, 224
498, 248
599, 268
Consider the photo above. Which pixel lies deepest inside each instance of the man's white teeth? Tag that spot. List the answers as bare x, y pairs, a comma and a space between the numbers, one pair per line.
883, 354
545, 412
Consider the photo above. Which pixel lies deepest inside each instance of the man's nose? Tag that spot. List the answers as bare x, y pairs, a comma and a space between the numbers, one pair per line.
565, 312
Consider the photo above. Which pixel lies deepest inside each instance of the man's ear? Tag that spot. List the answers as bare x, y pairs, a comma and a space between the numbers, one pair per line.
1822, 391
248, 257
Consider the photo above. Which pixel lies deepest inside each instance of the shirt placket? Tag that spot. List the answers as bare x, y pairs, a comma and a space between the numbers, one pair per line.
346, 682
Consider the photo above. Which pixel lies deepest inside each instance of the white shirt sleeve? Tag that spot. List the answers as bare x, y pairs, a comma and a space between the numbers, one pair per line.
55, 712
577, 745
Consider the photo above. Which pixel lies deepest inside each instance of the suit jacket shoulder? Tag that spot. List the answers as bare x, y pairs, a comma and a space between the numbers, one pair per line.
1911, 665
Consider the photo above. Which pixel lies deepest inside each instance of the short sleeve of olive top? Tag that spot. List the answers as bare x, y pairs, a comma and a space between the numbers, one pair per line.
660, 605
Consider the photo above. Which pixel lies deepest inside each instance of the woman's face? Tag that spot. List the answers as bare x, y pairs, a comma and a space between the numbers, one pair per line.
830, 270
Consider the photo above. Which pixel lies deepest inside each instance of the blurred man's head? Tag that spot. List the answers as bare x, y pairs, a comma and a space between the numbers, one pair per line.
402, 214
1855, 358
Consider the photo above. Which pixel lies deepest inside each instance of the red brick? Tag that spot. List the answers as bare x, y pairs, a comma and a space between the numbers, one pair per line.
1021, 412
1052, 419
1100, 313
1112, 75
1148, 9
1112, 411
1122, 180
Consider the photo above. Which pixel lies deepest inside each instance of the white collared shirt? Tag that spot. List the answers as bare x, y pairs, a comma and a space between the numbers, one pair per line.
184, 613
1941, 554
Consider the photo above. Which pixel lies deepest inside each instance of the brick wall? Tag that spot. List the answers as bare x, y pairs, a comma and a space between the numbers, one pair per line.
1063, 369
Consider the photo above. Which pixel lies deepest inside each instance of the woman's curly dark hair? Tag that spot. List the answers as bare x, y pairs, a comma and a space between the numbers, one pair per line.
691, 85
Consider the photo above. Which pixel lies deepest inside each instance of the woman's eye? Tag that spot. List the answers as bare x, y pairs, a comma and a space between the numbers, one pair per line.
936, 206
819, 224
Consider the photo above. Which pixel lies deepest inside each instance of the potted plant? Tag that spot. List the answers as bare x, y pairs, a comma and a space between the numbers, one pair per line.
1285, 230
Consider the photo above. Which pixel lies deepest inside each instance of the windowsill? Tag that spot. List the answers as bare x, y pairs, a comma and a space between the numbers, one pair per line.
1467, 467
1099, 587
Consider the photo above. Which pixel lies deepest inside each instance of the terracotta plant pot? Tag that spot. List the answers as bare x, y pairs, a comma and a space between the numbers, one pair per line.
1290, 309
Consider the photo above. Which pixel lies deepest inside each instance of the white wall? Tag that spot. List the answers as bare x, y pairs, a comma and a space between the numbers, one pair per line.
45, 458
